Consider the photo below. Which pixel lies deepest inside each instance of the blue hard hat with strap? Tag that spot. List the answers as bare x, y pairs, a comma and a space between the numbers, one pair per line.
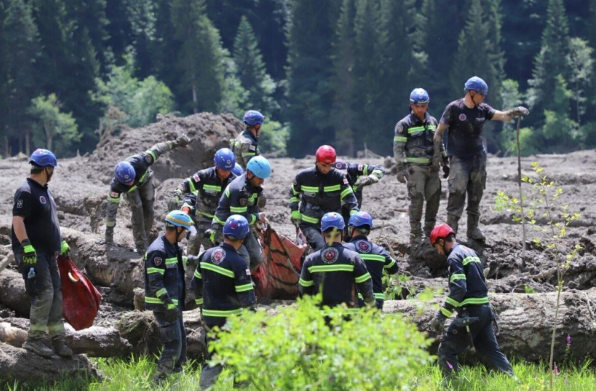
260, 167
361, 219
43, 158
236, 226
253, 117
476, 84
124, 172
419, 96
178, 218
332, 220
224, 159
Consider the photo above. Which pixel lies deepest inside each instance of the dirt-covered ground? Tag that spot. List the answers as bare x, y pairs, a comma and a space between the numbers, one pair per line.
81, 184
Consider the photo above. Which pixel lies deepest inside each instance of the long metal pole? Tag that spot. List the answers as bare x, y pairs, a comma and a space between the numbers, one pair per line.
521, 195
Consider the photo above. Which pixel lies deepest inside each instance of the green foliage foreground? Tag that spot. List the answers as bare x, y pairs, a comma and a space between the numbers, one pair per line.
292, 348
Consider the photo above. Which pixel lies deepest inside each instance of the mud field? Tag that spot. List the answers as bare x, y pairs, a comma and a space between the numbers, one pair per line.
80, 186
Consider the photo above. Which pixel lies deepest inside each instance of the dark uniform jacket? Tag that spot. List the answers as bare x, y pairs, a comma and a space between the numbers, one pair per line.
222, 284
336, 272
467, 285
316, 194
141, 163
377, 260
35, 203
240, 197
413, 141
207, 189
356, 170
164, 275
465, 128
245, 147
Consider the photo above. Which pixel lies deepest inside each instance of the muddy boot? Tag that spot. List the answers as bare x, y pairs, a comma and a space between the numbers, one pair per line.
161, 375
38, 347
473, 230
60, 347
452, 221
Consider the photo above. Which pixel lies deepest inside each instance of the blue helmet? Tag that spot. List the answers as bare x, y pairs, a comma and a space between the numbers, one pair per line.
253, 117
178, 218
124, 172
43, 157
236, 226
259, 166
332, 220
237, 170
419, 96
361, 219
225, 159
477, 84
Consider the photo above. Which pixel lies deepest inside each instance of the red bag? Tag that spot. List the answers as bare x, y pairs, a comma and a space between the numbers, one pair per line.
80, 299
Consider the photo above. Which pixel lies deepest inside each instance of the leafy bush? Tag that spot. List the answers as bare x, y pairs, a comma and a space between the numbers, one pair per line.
294, 349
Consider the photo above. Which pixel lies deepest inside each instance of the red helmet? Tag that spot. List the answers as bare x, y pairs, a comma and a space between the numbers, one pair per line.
326, 154
441, 231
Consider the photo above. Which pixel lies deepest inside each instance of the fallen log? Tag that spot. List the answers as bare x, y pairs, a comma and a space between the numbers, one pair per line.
526, 322
94, 341
28, 368
12, 292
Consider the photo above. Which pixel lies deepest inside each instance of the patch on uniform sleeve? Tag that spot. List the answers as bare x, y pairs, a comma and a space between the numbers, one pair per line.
345, 181
148, 158
462, 117
43, 200
157, 261
19, 203
400, 128
218, 256
248, 272
252, 148
114, 194
329, 255
363, 246
243, 201
196, 177
360, 167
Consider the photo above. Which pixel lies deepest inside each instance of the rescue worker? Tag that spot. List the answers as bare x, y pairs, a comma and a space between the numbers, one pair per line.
36, 242
468, 296
336, 271
242, 197
165, 291
465, 119
201, 193
376, 258
359, 175
223, 287
413, 151
134, 178
317, 191
246, 144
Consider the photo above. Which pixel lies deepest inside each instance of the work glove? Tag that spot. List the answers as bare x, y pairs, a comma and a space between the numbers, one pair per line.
402, 174
29, 254
182, 141
295, 217
438, 322
519, 111
446, 168
366, 180
436, 163
172, 313
209, 234
109, 239
174, 203
64, 248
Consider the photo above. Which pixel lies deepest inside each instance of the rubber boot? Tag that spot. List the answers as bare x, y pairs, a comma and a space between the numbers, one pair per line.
473, 230
415, 235
38, 347
60, 347
453, 222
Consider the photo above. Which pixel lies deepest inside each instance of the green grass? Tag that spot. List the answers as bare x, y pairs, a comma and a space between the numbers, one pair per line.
133, 375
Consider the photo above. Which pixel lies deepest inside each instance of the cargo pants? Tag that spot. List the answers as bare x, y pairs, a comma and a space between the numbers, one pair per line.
141, 204
251, 250
173, 337
456, 340
46, 296
424, 184
466, 177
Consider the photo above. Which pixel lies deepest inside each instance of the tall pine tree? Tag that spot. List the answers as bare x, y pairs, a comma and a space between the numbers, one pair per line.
251, 70
20, 36
551, 61
344, 57
310, 73
199, 58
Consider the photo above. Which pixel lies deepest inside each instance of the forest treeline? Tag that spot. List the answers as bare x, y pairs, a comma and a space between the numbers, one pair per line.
74, 72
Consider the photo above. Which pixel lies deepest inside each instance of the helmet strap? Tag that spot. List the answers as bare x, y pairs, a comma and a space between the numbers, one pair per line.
48, 173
